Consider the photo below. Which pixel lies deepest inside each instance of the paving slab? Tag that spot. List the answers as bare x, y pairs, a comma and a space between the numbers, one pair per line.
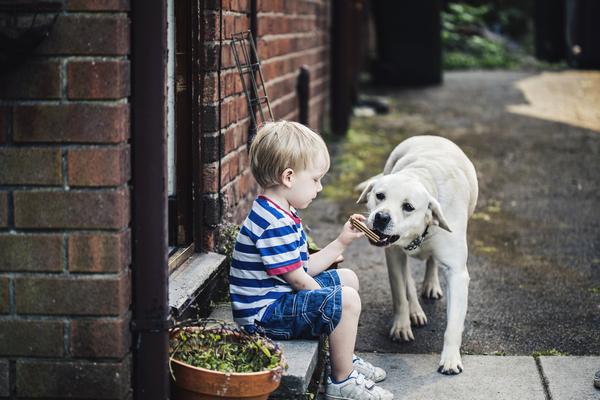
414, 377
570, 377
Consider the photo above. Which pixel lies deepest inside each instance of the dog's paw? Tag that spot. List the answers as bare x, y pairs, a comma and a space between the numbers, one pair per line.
431, 290
450, 363
418, 317
401, 330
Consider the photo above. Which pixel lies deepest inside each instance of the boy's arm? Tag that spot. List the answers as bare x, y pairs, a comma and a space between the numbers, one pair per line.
322, 259
298, 279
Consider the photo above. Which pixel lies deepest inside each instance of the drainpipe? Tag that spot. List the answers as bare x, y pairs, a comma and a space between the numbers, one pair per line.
150, 375
254, 30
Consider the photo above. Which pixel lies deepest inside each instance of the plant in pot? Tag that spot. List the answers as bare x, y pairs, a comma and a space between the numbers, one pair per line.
212, 360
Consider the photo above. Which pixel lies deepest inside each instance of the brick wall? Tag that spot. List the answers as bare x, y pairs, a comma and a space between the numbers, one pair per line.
65, 231
64, 211
289, 34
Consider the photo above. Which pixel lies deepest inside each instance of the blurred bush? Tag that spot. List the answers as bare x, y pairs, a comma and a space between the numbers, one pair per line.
484, 35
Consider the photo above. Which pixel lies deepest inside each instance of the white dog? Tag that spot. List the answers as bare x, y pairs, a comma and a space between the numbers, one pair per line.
420, 206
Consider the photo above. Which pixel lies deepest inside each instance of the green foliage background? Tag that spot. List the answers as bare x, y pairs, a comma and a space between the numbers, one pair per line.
466, 46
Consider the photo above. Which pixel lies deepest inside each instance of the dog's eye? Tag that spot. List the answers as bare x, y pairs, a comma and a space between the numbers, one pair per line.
408, 207
380, 196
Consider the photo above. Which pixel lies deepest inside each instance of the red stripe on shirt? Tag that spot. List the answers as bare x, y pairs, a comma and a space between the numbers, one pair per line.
294, 217
284, 269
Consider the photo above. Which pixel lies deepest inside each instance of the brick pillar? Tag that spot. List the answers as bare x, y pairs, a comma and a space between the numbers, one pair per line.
65, 211
290, 34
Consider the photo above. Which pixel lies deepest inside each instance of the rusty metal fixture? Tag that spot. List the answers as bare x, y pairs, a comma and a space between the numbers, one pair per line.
24, 24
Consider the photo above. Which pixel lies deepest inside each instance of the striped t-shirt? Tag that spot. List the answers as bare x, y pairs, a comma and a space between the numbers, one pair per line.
271, 242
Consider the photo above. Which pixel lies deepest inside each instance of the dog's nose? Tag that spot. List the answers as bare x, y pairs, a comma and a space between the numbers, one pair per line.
381, 220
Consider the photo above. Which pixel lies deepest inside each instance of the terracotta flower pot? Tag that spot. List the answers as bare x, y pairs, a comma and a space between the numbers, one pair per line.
192, 383
195, 383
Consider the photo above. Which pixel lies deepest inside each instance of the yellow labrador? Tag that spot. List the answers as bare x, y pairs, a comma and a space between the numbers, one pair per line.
420, 207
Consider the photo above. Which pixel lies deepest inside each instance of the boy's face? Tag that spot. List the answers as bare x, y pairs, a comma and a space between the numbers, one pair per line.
306, 184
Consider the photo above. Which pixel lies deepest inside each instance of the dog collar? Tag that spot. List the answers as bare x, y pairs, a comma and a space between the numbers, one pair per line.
417, 242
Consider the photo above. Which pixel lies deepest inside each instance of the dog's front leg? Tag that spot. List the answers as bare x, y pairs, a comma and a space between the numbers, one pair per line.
458, 293
431, 283
417, 316
396, 263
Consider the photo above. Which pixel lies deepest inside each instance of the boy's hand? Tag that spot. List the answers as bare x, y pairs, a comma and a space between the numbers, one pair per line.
349, 233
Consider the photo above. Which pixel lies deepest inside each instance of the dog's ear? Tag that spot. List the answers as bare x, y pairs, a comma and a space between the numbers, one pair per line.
366, 188
438, 215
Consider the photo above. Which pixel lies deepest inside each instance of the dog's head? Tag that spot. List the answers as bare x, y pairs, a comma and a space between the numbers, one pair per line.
400, 210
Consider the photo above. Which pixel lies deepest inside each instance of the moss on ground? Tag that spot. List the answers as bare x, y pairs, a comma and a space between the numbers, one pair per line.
361, 154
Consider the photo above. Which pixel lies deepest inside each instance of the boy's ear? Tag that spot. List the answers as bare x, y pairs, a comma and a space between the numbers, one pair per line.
287, 177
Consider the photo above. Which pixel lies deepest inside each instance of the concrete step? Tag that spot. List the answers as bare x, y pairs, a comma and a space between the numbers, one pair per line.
302, 357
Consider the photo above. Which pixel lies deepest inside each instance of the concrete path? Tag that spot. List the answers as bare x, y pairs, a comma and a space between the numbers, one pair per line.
534, 241
413, 377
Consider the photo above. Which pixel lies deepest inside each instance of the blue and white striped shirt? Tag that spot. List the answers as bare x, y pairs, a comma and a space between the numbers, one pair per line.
271, 242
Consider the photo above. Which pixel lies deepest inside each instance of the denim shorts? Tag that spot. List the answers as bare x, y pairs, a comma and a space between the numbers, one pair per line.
305, 314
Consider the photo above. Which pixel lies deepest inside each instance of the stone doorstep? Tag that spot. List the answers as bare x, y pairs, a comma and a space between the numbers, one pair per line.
301, 356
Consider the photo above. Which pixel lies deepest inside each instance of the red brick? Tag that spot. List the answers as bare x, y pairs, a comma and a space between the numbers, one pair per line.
31, 338
4, 298
229, 140
32, 80
73, 295
107, 209
98, 79
100, 338
97, 34
43, 252
98, 5
73, 379
210, 175
231, 195
244, 160
211, 24
247, 183
3, 209
30, 166
233, 23
99, 252
85, 123
231, 5
98, 166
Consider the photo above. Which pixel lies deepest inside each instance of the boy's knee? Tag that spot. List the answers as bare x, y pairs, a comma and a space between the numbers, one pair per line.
350, 300
349, 278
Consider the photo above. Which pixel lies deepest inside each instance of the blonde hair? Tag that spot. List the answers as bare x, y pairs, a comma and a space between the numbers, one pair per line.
281, 145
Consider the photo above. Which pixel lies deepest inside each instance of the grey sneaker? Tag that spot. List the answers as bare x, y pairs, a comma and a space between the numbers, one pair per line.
597, 379
370, 371
356, 387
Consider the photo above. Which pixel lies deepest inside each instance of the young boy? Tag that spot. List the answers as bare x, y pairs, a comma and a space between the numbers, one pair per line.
274, 284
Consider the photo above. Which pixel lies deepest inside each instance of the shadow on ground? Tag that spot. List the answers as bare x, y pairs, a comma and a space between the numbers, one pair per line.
534, 240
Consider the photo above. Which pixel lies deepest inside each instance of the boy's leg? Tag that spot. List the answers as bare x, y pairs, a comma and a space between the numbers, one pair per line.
348, 278
343, 337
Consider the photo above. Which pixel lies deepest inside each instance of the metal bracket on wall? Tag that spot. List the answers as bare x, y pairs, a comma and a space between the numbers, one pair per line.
248, 64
